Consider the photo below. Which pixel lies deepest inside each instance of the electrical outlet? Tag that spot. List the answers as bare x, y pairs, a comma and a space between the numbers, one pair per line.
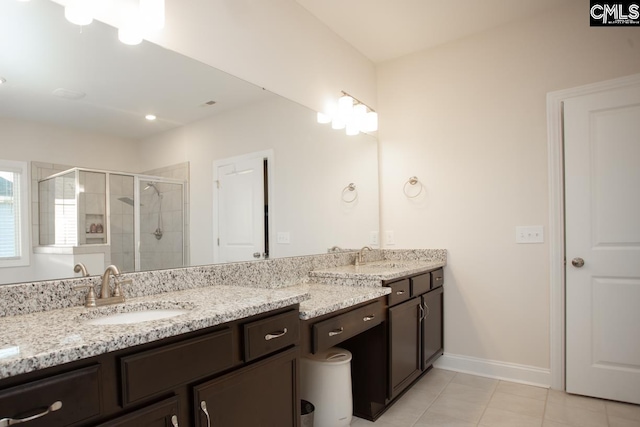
389, 238
283, 237
374, 238
530, 234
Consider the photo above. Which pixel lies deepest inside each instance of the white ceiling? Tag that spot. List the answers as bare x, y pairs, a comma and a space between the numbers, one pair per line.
387, 29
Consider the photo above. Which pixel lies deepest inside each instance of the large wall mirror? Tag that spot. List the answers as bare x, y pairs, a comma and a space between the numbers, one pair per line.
224, 163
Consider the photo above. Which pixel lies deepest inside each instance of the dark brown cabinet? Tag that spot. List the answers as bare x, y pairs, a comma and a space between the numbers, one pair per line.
404, 345
162, 414
405, 348
263, 394
432, 340
246, 371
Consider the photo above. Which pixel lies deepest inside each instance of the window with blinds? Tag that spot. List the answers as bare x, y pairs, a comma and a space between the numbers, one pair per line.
14, 214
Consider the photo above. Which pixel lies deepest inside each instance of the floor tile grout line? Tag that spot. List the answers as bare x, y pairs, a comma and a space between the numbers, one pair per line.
434, 400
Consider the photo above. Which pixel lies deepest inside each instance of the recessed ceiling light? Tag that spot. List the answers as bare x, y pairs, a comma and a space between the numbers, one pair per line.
150, 117
68, 94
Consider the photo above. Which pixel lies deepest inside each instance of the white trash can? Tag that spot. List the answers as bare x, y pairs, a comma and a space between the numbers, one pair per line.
325, 381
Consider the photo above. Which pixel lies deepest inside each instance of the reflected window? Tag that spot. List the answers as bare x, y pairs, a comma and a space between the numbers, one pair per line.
14, 214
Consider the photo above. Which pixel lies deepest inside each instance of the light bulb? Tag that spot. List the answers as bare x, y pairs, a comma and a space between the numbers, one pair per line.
353, 129
337, 124
79, 12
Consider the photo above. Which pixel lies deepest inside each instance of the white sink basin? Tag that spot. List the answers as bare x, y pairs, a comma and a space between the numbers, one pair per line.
136, 316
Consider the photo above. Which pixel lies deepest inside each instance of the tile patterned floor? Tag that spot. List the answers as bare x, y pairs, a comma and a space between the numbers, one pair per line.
449, 399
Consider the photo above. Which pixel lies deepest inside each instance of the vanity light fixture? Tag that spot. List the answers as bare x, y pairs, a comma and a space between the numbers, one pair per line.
352, 114
136, 19
150, 117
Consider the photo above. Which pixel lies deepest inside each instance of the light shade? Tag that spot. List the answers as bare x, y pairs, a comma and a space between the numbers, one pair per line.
130, 35
337, 124
353, 128
345, 108
79, 12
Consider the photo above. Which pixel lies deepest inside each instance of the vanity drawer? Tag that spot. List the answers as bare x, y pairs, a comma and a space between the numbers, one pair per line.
77, 391
420, 284
437, 278
400, 291
149, 372
333, 331
271, 334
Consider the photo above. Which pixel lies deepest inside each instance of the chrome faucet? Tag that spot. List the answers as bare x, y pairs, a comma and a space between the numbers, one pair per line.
360, 255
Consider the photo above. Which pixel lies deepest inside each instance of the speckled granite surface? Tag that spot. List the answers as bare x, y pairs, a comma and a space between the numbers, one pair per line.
329, 298
41, 324
372, 274
51, 338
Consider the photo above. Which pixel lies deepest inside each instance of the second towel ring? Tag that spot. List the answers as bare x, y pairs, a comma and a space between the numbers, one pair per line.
412, 181
351, 188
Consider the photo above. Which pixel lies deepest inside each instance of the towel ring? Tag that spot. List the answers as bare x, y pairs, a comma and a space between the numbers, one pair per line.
351, 188
412, 181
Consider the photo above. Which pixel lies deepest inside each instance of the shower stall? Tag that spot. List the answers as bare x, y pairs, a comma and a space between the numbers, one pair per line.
134, 221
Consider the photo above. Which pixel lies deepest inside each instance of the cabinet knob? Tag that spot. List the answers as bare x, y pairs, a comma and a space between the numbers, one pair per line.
174, 421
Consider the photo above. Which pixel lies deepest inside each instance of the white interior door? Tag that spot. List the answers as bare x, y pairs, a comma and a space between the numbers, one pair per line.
240, 208
602, 196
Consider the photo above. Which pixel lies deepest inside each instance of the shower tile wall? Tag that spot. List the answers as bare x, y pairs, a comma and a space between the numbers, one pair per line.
122, 222
166, 251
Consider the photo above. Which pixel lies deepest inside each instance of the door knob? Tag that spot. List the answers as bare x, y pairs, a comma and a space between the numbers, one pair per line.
256, 254
577, 262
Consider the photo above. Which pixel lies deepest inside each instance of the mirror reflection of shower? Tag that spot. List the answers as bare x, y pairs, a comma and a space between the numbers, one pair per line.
158, 232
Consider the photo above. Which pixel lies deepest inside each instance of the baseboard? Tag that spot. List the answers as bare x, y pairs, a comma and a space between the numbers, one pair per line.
493, 369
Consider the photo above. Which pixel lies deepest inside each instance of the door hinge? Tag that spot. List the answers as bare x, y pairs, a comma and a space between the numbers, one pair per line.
217, 184
218, 241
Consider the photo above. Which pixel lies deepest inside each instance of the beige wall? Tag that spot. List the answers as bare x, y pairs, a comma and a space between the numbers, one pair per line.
469, 119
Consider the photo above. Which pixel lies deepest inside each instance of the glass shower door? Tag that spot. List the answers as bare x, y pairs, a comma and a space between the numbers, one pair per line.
161, 219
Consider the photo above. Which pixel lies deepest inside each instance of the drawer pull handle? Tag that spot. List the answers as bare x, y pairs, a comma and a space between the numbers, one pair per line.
174, 421
422, 316
11, 421
275, 335
368, 318
336, 332
427, 308
203, 406
400, 292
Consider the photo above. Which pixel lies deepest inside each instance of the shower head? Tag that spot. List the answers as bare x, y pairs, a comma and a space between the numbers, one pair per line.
154, 186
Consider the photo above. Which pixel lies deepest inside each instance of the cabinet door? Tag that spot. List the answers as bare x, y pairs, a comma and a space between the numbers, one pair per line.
162, 414
260, 395
432, 344
404, 345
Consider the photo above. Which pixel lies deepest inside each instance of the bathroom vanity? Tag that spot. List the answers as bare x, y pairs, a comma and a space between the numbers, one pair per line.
229, 357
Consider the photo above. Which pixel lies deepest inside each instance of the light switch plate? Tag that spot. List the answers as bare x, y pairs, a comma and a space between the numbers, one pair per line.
283, 237
374, 238
529, 234
389, 238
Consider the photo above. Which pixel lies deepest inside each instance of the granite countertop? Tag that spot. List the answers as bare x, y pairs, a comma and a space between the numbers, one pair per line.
40, 340
374, 273
329, 298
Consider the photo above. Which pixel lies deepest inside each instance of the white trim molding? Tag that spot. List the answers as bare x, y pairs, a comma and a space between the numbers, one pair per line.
513, 372
555, 146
